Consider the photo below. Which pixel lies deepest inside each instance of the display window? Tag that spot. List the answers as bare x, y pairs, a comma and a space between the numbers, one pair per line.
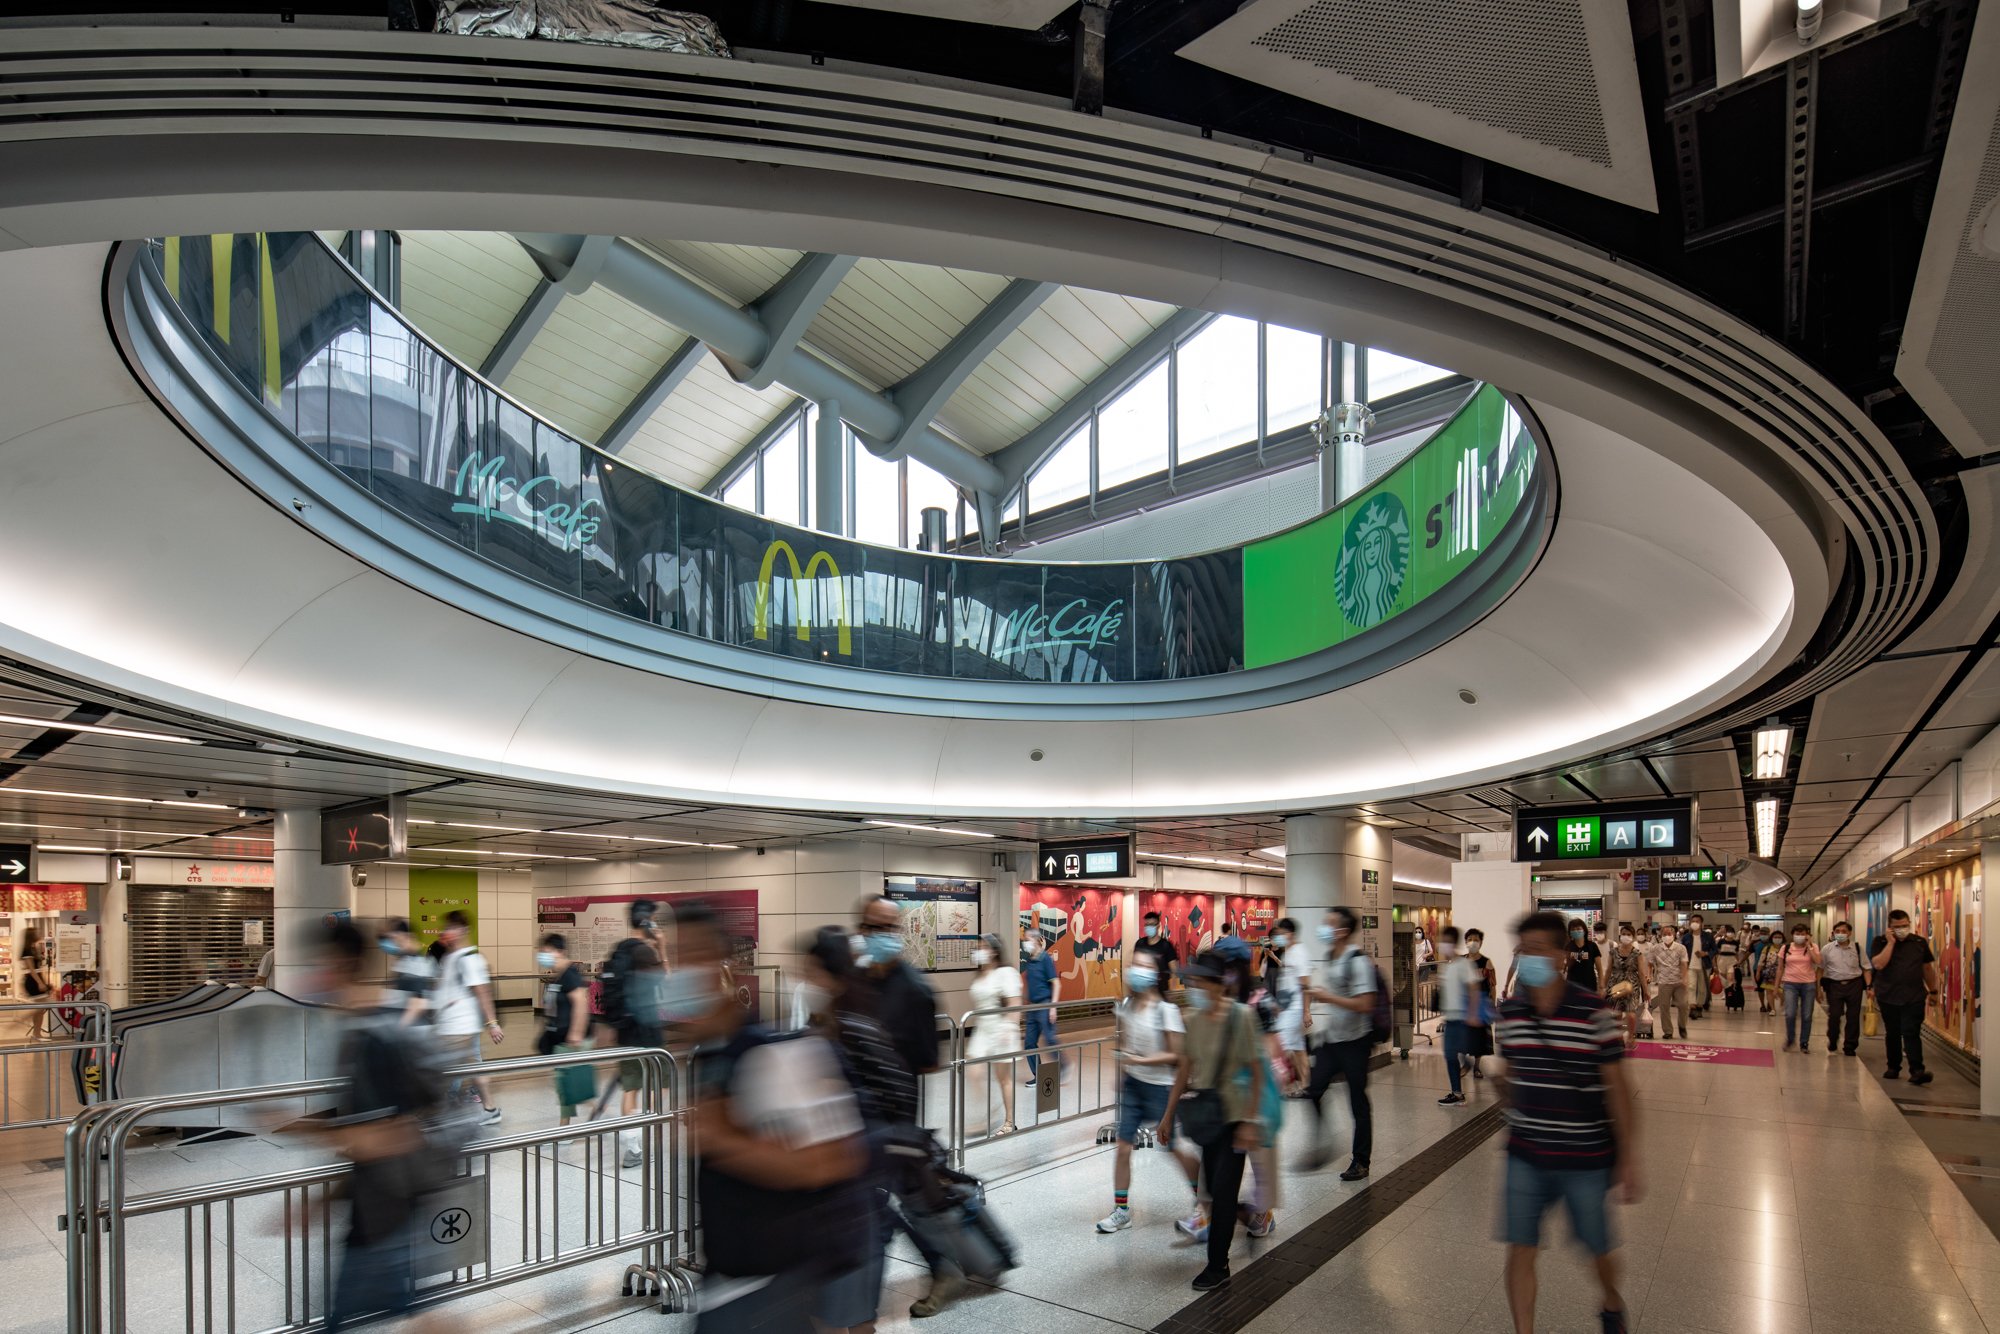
1946, 912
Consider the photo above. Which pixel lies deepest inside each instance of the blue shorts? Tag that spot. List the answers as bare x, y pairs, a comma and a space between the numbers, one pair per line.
1532, 1191
1140, 1104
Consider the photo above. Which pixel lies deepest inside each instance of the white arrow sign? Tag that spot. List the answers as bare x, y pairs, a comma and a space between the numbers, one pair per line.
13, 868
1537, 838
1050, 865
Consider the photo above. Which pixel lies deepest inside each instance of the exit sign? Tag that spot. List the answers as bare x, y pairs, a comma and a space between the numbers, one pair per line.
1664, 828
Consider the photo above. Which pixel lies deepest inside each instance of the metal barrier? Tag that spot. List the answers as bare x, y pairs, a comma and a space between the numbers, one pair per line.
237, 1236
46, 1068
1426, 997
1087, 1076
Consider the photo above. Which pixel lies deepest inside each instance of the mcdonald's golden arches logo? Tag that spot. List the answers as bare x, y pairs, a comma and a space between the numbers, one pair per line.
799, 576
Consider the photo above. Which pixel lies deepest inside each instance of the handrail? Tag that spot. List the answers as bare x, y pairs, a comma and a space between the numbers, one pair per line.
348, 379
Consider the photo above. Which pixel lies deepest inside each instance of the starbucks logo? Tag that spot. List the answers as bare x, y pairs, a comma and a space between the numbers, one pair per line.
1374, 561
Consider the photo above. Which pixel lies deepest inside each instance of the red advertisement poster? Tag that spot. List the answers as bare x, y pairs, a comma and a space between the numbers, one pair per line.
1252, 915
1085, 935
1188, 920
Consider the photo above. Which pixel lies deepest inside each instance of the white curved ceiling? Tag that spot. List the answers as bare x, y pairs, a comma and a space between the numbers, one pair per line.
132, 557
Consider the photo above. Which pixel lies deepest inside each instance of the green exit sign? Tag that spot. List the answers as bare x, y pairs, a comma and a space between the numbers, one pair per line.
1578, 835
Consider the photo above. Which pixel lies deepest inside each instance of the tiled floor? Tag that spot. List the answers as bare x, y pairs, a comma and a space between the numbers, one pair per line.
1794, 1199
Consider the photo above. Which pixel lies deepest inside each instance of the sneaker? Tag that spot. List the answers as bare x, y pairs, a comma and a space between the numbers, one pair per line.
1210, 1279
944, 1290
1613, 1321
1355, 1172
489, 1115
1920, 1077
1116, 1221
1195, 1225
1262, 1225
632, 1158
1452, 1100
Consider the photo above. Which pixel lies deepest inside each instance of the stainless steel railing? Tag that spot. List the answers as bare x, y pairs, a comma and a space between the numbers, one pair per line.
575, 1205
1087, 1083
34, 1075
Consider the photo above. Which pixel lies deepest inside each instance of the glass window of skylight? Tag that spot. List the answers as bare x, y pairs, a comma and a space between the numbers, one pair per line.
742, 493
1065, 475
878, 499
1389, 374
1293, 371
781, 477
1216, 389
930, 489
1132, 432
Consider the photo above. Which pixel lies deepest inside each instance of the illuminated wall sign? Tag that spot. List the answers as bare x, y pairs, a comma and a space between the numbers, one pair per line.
1664, 828
17, 863
1085, 859
366, 831
192, 872
1682, 883
484, 492
1357, 566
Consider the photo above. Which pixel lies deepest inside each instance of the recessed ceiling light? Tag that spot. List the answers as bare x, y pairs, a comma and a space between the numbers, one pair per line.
933, 829
129, 801
96, 729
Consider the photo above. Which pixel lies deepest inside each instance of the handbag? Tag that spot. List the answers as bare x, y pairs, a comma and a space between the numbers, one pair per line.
575, 1084
1715, 987
1201, 1113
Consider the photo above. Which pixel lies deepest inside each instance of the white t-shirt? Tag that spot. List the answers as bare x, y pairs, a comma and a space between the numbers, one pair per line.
993, 990
409, 978
458, 1012
1142, 1031
1297, 964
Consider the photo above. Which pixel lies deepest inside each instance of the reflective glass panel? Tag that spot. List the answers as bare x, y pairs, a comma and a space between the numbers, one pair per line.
1293, 373
1132, 432
1389, 374
1216, 389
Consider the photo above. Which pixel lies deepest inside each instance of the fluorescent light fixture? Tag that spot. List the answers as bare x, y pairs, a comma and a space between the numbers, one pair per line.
577, 833
933, 829
58, 725
68, 847
1811, 13
1207, 861
519, 856
1771, 750
129, 801
1767, 827
30, 824
169, 833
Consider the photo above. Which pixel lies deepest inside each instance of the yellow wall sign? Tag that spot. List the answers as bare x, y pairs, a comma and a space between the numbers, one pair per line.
799, 575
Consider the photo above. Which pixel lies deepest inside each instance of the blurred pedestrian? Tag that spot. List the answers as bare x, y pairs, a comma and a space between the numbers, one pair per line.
1044, 990
631, 986
463, 1001
1344, 1002
779, 1148
1571, 1122
886, 1095
412, 975
1242, 984
1460, 982
1150, 1038
1222, 1072
1286, 982
995, 987
1700, 947
565, 1022
1623, 985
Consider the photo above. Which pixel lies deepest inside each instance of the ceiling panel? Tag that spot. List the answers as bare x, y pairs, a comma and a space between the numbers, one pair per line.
1976, 702
1701, 771
1882, 698
594, 356
888, 318
1625, 779
741, 273
704, 425
462, 289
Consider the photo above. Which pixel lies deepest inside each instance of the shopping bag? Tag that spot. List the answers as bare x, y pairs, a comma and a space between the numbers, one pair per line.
575, 1084
1871, 1018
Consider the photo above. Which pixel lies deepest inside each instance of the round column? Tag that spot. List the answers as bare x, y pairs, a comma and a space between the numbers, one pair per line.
1331, 860
305, 893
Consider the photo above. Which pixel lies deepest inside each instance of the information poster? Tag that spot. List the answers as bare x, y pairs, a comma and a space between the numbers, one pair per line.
1190, 921
1084, 934
1252, 915
435, 891
941, 921
595, 923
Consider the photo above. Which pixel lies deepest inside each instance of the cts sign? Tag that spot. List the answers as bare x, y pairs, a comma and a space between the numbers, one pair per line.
1663, 828
1085, 859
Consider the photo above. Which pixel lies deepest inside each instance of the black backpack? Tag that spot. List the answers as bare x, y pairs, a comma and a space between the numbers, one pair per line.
628, 995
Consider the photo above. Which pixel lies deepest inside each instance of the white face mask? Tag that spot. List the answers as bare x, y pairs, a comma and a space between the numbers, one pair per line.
1899, 932
1280, 940
1447, 949
981, 958
1798, 937
1840, 937
1152, 931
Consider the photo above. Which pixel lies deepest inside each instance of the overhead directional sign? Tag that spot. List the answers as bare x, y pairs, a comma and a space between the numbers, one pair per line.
367, 831
1085, 859
17, 862
1681, 884
1664, 828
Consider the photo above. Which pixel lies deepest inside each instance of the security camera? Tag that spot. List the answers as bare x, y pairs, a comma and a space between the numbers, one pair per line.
357, 877
192, 792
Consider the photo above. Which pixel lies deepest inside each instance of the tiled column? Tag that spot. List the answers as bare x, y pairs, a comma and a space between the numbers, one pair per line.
305, 893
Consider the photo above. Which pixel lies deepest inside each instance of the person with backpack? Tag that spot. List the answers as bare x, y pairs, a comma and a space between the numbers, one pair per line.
565, 1022
463, 1003
631, 982
780, 1149
1345, 1027
1798, 973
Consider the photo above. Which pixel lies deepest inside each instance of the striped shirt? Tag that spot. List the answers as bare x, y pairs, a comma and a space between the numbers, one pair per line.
1557, 1114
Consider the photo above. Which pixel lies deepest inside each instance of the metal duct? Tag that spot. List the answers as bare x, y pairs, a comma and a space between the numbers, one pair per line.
609, 22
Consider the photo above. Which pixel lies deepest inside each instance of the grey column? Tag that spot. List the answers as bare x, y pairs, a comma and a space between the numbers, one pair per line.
830, 470
1333, 861
305, 893
114, 944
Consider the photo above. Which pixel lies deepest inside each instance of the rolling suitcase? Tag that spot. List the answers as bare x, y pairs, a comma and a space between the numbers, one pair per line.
947, 1208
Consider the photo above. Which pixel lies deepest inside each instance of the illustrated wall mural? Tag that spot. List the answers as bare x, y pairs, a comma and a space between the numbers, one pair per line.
1947, 913
1084, 929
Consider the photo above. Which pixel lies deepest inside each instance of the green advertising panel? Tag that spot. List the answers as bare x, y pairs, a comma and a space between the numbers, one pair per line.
435, 891
1393, 545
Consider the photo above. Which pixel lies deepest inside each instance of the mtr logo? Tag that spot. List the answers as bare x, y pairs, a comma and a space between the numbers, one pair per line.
765, 573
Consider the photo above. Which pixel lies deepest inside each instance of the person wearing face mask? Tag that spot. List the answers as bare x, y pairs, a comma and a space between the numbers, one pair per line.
1150, 1034
1459, 1002
996, 986
1044, 988
780, 1150
1572, 1128
1285, 981
1154, 939
1727, 967
1623, 983
1479, 1037
565, 1021
1798, 973
1700, 947
464, 1004
1344, 1004
630, 982
1221, 1063
1905, 973
411, 972
902, 1004
1665, 971
1843, 977
1586, 960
